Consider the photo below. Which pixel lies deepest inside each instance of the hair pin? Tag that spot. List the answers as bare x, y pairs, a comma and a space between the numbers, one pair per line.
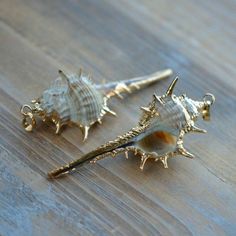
75, 99
158, 135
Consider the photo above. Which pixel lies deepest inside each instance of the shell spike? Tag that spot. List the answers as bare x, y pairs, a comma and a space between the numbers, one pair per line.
108, 110
126, 88
127, 154
170, 90
80, 72
144, 158
146, 109
197, 130
63, 75
158, 99
85, 130
118, 94
184, 152
164, 161
58, 127
99, 121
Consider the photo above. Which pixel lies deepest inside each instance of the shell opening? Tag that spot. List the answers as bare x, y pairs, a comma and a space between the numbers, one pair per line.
159, 142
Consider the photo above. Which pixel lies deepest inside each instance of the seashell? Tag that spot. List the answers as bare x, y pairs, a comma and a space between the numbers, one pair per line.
159, 133
75, 99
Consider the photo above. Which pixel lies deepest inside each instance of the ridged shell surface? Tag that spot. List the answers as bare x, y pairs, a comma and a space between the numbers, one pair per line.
73, 99
172, 117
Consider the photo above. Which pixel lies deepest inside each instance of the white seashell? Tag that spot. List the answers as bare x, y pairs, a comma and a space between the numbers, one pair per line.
75, 99
159, 134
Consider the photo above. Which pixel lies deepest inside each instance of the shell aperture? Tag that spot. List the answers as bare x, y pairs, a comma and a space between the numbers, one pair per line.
158, 135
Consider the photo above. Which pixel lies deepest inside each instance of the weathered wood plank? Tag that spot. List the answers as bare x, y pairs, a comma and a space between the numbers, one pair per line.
114, 40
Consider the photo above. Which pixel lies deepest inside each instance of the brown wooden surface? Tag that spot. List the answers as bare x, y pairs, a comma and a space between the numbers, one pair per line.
115, 40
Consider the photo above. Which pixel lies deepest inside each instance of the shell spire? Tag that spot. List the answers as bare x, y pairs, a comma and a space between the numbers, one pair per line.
159, 134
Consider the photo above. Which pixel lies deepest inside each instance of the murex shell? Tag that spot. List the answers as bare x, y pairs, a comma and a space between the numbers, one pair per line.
65, 96
159, 133
72, 99
75, 99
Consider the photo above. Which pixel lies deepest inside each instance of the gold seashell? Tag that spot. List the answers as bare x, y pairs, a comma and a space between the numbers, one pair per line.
158, 135
75, 99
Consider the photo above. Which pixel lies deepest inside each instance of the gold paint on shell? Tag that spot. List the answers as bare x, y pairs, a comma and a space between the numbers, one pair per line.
158, 135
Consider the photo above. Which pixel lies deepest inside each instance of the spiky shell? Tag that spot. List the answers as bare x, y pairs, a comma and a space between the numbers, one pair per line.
159, 134
73, 99
161, 129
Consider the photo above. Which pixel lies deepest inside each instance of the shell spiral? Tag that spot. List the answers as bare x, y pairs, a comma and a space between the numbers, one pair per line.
73, 99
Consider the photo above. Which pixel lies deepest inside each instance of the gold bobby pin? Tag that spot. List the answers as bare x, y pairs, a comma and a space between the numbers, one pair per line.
75, 99
158, 135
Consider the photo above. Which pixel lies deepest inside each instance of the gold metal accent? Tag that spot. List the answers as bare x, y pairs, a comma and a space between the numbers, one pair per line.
208, 99
134, 84
166, 105
28, 120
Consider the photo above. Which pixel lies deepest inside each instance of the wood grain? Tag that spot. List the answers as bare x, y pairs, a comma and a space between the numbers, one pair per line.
115, 40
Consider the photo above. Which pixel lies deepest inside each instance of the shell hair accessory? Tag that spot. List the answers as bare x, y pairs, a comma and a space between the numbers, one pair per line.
75, 99
158, 135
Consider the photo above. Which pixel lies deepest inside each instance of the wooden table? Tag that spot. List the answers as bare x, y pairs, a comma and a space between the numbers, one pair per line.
115, 40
